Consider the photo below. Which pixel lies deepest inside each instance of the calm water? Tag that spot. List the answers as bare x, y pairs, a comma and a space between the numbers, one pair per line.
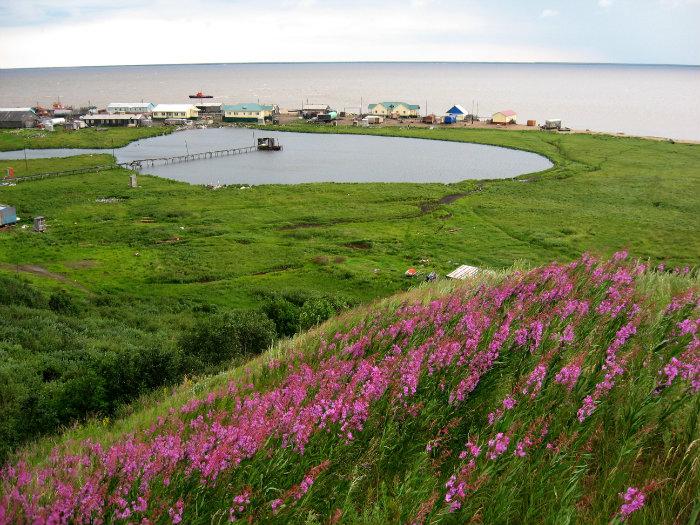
641, 100
319, 158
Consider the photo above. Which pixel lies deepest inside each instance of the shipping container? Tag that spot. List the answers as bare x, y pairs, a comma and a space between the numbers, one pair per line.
8, 215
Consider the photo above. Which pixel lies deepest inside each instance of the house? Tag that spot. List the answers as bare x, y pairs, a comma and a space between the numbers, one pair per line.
163, 111
394, 109
130, 107
507, 116
115, 120
458, 112
248, 112
18, 118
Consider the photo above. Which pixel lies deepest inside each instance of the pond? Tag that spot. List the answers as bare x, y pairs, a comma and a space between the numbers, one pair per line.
310, 157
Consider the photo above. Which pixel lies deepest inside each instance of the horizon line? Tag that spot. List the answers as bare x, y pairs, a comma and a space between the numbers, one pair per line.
538, 62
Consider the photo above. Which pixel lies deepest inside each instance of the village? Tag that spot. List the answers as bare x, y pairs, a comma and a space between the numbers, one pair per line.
201, 113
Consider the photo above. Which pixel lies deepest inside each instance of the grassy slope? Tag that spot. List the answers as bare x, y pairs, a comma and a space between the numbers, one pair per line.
18, 139
222, 246
385, 474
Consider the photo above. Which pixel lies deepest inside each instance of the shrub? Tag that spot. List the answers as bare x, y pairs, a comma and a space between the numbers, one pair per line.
218, 338
61, 302
283, 313
19, 292
315, 311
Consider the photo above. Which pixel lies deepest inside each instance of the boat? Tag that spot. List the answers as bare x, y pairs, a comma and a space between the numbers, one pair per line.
199, 94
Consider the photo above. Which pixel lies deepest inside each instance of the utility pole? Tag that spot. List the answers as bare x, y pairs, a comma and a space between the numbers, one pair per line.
187, 149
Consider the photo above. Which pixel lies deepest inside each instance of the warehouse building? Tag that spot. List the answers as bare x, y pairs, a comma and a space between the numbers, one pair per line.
18, 118
116, 120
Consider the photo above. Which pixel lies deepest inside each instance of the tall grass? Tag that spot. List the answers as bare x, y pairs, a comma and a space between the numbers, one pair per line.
568, 393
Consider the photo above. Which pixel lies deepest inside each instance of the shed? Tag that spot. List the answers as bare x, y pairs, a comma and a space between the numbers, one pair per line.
552, 123
18, 118
8, 215
463, 272
458, 112
507, 116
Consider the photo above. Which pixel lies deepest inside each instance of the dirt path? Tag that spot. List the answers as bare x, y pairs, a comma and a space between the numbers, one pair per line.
43, 272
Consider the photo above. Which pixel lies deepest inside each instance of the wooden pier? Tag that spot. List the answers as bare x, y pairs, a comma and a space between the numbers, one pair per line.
265, 144
139, 164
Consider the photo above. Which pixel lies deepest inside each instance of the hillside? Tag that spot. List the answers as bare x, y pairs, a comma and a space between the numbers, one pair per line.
568, 393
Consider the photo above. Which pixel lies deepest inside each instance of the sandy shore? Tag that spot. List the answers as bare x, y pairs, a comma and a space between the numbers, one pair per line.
416, 123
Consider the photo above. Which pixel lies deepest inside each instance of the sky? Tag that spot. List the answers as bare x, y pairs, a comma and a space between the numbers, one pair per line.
53, 33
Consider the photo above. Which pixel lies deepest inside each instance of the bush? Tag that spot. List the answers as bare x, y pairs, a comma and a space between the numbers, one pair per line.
19, 292
219, 338
61, 302
283, 313
314, 312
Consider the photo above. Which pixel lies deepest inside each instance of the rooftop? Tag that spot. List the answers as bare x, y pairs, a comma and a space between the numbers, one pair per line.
392, 105
507, 112
174, 107
247, 106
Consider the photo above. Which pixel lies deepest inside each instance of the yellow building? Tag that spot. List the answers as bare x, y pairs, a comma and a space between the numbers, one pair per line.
507, 116
163, 111
394, 109
248, 112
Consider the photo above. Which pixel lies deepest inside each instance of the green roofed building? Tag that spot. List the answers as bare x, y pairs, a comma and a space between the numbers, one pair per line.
394, 109
248, 112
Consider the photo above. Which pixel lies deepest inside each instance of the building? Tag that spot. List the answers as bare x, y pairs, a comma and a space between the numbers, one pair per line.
209, 108
314, 110
130, 107
394, 109
8, 215
458, 112
163, 111
116, 120
18, 118
507, 116
248, 112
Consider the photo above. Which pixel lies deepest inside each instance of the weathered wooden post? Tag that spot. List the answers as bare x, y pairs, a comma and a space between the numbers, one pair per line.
132, 181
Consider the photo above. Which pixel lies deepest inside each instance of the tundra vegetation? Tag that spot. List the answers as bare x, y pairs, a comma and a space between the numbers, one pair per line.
133, 291
567, 393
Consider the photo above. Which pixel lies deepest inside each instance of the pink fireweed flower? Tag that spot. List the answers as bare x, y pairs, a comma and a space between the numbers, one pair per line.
498, 445
176, 513
509, 403
633, 501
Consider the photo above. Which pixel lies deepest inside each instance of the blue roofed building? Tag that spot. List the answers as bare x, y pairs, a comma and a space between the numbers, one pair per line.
248, 112
458, 112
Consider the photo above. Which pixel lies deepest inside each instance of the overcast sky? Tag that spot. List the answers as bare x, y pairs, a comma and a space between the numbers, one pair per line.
46, 33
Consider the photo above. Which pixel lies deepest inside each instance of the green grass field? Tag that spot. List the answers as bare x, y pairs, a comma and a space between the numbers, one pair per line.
18, 139
171, 239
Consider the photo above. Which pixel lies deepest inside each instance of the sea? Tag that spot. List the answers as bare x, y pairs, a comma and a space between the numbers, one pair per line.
647, 100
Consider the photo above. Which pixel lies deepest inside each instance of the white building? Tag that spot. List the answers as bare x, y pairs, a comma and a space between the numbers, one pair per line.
163, 111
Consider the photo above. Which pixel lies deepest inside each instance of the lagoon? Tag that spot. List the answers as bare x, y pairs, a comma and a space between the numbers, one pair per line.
308, 158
